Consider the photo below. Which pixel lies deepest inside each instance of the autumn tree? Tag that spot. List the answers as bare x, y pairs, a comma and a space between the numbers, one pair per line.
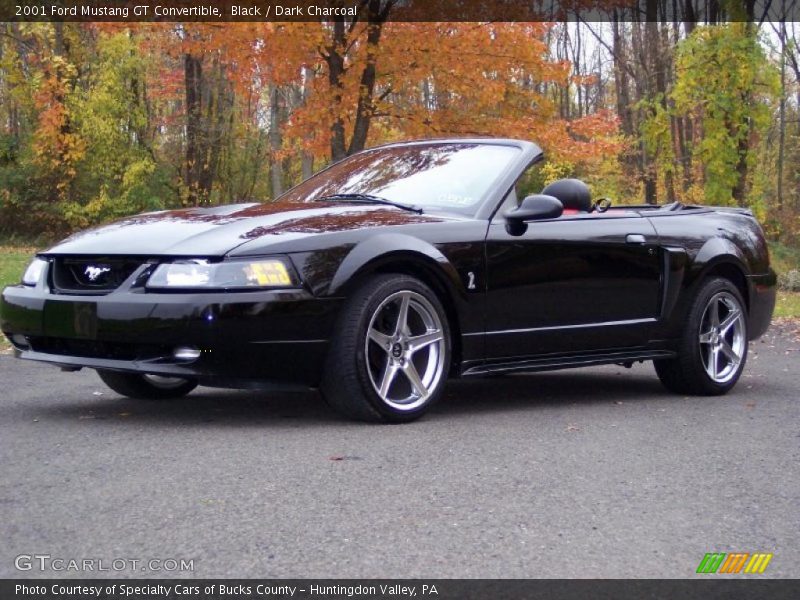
724, 79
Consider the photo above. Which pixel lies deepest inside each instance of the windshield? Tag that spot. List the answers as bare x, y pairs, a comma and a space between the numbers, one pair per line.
437, 176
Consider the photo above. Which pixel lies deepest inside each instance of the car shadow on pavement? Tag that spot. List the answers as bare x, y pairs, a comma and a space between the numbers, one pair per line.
481, 396
568, 387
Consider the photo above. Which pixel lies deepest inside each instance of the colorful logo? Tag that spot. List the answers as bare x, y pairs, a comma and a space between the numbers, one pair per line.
721, 562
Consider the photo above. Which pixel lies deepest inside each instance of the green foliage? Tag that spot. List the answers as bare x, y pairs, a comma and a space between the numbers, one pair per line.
605, 179
87, 158
118, 174
656, 133
723, 79
542, 174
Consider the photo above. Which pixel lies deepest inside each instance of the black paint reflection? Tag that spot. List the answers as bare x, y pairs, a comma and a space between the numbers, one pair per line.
339, 221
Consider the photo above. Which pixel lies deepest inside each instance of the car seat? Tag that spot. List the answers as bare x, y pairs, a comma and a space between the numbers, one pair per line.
573, 193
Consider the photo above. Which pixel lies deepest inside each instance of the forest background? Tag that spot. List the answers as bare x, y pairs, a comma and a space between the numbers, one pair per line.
103, 120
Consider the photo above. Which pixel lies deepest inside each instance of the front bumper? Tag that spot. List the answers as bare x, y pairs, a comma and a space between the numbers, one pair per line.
246, 339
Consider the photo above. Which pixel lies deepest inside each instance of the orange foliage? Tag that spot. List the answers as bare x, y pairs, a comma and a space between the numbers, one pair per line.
433, 80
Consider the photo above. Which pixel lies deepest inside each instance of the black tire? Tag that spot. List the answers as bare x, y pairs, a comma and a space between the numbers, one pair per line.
352, 370
688, 373
141, 387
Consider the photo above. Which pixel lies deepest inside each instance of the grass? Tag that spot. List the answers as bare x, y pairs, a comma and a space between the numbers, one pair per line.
788, 305
13, 260
784, 258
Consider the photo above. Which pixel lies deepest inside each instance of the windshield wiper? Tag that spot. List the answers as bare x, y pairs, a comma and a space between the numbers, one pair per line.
368, 199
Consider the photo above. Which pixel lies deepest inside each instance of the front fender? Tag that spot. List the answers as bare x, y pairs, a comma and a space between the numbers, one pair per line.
384, 248
331, 272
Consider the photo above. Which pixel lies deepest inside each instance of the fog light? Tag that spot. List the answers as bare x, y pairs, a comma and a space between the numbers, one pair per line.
186, 353
20, 341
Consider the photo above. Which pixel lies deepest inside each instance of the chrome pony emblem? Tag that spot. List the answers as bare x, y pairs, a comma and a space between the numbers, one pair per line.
93, 272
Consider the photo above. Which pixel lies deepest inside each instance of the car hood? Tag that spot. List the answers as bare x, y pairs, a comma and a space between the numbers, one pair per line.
207, 232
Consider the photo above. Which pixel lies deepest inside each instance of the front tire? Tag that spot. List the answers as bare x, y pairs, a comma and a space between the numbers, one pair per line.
390, 352
147, 387
713, 348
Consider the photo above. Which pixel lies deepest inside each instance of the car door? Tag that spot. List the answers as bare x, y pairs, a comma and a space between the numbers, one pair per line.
578, 283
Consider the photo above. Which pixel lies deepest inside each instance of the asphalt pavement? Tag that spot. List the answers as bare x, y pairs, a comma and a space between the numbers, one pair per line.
587, 473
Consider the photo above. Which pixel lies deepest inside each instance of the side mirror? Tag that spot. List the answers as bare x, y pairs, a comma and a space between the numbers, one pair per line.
534, 208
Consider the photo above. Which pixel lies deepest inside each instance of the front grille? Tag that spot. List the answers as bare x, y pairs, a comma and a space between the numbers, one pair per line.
97, 349
91, 275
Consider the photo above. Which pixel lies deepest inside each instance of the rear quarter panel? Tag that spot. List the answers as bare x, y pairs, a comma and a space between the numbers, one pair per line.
702, 241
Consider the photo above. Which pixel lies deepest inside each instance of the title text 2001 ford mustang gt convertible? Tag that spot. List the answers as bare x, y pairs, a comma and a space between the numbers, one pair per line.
392, 270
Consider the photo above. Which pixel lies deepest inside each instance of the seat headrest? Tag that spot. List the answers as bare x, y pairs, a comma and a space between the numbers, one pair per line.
573, 193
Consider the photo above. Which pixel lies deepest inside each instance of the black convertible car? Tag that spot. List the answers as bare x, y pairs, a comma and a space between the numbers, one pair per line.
392, 270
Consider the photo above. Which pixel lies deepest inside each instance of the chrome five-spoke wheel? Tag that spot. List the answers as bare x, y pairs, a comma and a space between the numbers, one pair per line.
390, 353
712, 349
404, 347
722, 337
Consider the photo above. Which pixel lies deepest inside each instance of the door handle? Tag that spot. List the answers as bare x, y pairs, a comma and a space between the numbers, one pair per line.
635, 238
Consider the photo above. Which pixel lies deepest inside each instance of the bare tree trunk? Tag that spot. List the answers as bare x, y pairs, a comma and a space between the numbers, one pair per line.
209, 100
275, 141
4, 100
651, 56
334, 55
58, 38
335, 60
664, 70
220, 106
307, 160
689, 17
621, 83
739, 192
193, 81
578, 69
782, 113
366, 90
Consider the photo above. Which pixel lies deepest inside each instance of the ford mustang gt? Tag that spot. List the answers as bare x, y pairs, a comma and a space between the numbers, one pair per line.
388, 272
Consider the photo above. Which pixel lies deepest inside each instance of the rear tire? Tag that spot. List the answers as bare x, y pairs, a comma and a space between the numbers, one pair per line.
147, 387
390, 353
713, 348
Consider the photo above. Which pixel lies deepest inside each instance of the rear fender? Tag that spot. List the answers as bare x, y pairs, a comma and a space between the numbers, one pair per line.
715, 253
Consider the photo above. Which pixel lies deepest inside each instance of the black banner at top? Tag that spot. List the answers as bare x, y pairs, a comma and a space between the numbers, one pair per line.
221, 11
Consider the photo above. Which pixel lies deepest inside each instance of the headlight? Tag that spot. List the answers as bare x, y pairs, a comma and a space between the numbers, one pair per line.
202, 274
34, 271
